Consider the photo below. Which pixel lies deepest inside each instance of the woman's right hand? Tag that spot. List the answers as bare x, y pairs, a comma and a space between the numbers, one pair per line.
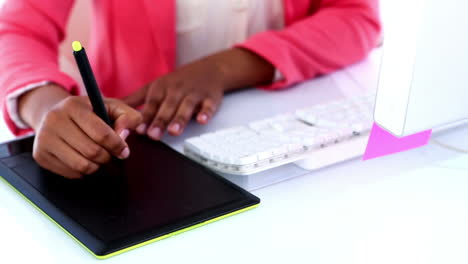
73, 141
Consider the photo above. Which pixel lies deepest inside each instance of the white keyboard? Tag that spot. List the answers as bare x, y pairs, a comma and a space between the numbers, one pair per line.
337, 131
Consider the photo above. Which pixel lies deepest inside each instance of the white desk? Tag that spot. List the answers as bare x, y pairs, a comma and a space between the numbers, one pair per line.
406, 208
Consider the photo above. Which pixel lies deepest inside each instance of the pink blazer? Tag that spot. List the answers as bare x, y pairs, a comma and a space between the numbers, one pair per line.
133, 42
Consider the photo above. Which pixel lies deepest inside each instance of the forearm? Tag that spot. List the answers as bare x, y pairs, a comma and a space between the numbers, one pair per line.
239, 68
339, 33
34, 104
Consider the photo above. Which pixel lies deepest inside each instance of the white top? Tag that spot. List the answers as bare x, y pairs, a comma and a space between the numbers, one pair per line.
198, 35
207, 26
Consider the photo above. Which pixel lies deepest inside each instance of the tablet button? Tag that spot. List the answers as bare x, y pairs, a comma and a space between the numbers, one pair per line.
4, 152
10, 162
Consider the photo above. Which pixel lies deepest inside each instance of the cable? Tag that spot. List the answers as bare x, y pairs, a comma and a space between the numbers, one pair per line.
449, 147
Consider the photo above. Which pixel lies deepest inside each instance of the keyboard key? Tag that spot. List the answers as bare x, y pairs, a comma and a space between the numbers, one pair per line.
259, 126
196, 145
231, 131
245, 160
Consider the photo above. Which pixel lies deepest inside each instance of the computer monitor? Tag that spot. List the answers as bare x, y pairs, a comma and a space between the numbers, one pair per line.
424, 73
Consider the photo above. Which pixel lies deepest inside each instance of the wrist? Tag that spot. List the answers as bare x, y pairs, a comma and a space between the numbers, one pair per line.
33, 105
239, 68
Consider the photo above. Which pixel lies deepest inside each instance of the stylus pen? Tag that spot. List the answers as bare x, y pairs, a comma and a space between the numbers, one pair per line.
90, 82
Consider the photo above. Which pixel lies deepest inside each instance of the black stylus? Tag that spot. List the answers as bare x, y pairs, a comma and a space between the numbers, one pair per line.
90, 82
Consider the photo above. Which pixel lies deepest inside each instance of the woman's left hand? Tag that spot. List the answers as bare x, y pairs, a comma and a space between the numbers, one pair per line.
172, 100
196, 89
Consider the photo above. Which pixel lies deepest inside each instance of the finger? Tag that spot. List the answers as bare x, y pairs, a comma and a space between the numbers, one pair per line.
101, 133
51, 163
124, 116
208, 109
165, 114
79, 141
56, 166
138, 98
183, 115
72, 159
154, 97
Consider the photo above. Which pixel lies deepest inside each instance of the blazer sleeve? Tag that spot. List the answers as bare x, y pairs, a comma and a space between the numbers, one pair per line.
339, 33
30, 34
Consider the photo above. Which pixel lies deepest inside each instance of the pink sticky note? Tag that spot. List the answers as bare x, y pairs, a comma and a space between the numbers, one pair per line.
382, 143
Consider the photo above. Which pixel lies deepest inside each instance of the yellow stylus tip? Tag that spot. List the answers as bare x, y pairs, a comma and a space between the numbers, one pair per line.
77, 46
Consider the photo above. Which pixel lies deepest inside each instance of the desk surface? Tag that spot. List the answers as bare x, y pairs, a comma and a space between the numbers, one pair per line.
406, 208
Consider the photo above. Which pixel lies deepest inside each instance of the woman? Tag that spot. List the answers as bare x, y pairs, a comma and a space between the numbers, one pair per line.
176, 58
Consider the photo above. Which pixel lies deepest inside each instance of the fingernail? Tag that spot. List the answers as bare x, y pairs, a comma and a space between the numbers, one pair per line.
175, 128
141, 129
125, 153
124, 134
203, 118
155, 133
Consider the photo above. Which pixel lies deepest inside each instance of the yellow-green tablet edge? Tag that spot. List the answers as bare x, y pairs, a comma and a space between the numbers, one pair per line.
135, 246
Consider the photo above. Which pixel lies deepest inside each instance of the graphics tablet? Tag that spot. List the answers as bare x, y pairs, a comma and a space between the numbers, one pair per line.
154, 194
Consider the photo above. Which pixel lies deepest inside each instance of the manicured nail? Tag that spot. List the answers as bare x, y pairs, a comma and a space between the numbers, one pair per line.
125, 153
124, 134
155, 133
175, 128
203, 118
141, 129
